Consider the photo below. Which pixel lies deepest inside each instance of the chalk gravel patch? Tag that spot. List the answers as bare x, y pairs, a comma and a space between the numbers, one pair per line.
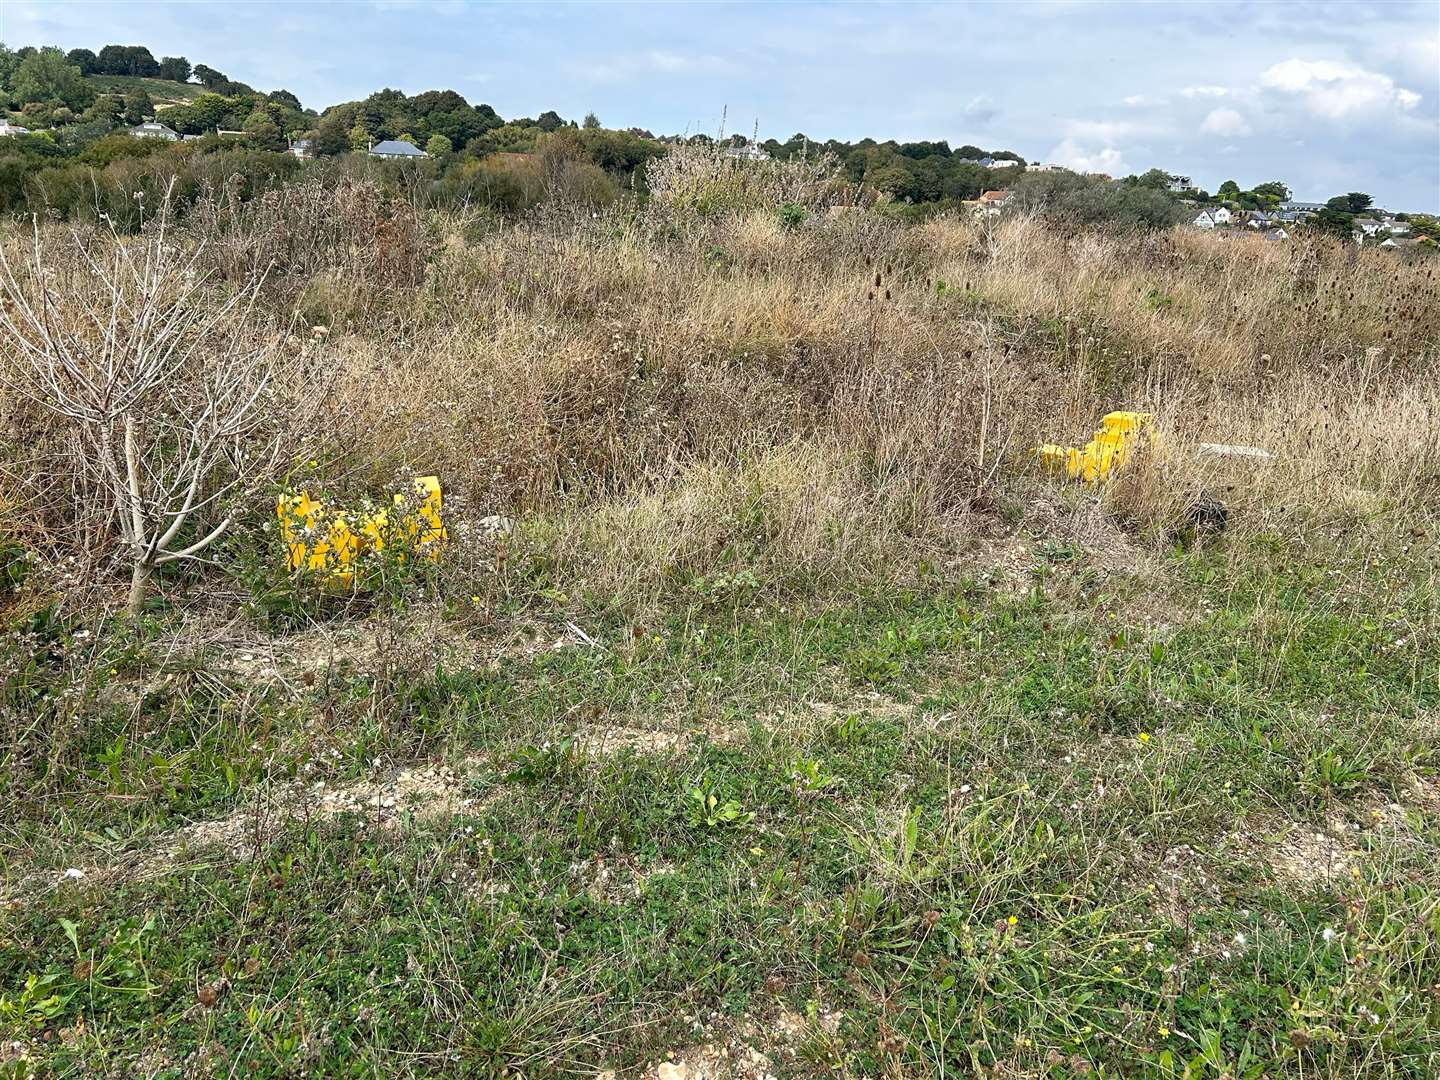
422, 792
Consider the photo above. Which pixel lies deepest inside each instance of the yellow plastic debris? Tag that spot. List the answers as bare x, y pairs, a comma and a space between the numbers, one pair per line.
1119, 434
320, 541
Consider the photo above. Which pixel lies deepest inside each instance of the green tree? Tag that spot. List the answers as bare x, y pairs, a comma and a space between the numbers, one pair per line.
1336, 218
209, 77
359, 137
175, 69
263, 132
438, 146
1273, 189
47, 77
1229, 190
138, 106
85, 60
591, 122
127, 60
1358, 201
1154, 179
550, 121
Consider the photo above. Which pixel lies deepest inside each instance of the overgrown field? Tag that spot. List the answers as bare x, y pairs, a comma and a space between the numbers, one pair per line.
766, 711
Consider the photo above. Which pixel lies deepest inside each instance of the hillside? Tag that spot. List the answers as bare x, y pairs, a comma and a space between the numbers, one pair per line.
161, 91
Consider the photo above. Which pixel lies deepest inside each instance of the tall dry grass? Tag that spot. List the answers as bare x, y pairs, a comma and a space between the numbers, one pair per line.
656, 377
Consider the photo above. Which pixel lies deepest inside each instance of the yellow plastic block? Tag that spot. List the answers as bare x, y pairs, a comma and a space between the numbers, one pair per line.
1119, 434
326, 543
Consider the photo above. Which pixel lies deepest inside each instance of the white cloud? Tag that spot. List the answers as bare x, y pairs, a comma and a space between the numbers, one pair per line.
1073, 155
1206, 91
1225, 122
660, 61
1137, 100
1336, 91
981, 110
1107, 131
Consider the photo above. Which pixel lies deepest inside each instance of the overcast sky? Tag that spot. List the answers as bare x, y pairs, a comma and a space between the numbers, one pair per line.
1327, 97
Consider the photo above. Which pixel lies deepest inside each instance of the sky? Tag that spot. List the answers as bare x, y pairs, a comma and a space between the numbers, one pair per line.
1328, 97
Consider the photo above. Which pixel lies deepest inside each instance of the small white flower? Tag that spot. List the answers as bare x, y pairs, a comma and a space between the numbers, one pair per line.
1327, 935
1240, 940
73, 874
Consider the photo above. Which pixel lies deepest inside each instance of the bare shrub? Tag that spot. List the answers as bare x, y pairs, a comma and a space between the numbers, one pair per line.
702, 178
170, 400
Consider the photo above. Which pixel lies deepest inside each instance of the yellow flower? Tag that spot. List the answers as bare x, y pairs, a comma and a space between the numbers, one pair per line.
1164, 1031
1117, 969
1012, 920
1144, 736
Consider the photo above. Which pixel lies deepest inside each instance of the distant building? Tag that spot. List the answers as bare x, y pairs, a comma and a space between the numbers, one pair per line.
302, 148
1221, 215
1205, 220
1038, 167
1003, 163
7, 128
1277, 234
396, 149
994, 199
1178, 183
750, 151
232, 134
152, 130
1293, 207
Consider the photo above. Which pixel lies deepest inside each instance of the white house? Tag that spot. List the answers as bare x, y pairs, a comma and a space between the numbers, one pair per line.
396, 149
1206, 220
1046, 167
750, 151
304, 149
1396, 228
1178, 184
7, 128
1368, 226
1221, 215
152, 130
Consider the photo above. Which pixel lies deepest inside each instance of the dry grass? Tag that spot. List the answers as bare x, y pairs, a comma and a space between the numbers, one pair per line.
648, 377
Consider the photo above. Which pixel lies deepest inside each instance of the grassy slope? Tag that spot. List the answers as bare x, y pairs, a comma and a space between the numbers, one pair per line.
1061, 815
161, 91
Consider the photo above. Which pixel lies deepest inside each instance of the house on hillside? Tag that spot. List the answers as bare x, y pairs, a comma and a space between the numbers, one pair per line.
7, 128
1038, 167
1204, 220
397, 150
1396, 227
1368, 226
304, 149
1277, 234
1221, 215
152, 130
994, 199
750, 151
1293, 207
1258, 219
1179, 184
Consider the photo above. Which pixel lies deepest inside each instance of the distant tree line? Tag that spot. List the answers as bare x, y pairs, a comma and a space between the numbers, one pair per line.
130, 60
77, 148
